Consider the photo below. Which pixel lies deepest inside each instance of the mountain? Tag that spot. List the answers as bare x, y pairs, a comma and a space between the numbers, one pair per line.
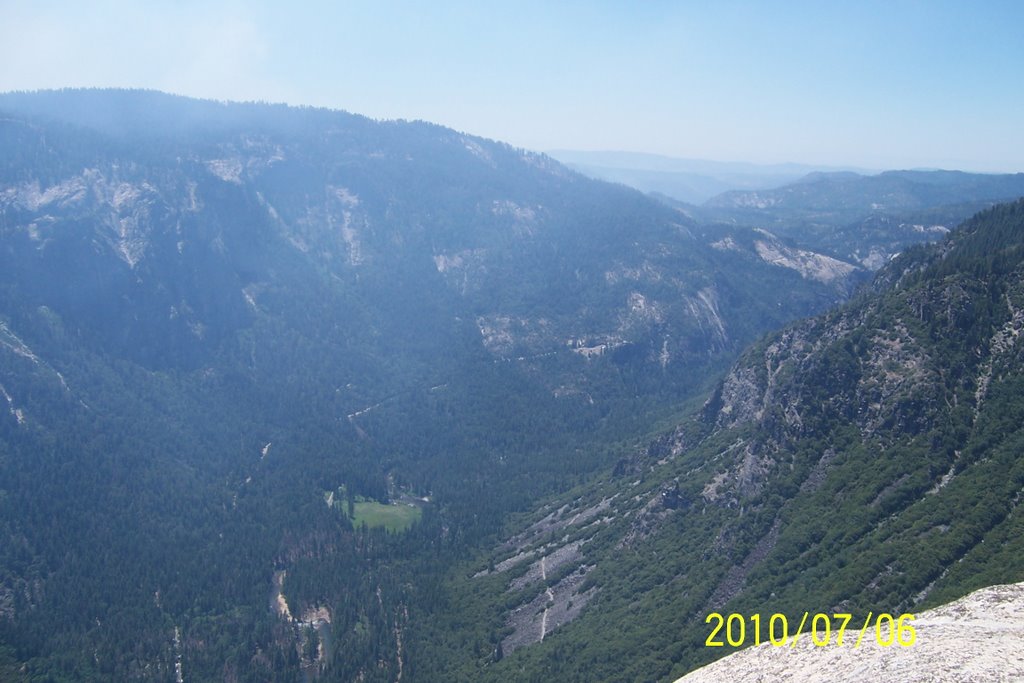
543, 261
266, 372
976, 638
291, 394
865, 219
693, 181
850, 214
864, 460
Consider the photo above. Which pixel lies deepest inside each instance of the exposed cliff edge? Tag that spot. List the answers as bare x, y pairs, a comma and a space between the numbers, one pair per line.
974, 639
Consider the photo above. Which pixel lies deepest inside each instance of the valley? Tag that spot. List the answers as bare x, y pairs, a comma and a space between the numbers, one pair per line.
853, 462
380, 400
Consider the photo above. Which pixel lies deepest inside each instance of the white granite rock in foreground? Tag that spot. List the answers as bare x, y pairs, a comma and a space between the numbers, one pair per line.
978, 638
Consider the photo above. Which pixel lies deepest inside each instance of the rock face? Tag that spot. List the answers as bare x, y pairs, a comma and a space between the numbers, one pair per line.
977, 638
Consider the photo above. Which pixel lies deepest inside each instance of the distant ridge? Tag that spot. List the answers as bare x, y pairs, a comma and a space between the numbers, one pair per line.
688, 180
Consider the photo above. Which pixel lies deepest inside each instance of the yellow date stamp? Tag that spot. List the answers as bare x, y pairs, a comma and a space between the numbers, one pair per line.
737, 630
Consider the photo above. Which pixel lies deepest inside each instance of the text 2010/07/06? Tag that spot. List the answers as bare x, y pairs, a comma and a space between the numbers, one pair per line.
737, 630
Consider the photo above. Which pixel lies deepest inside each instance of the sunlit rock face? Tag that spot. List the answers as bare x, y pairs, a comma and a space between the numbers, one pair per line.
974, 639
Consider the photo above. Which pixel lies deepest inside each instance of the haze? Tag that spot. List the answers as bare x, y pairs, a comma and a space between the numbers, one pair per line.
874, 84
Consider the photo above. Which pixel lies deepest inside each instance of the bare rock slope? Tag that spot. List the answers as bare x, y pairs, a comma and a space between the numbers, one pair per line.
974, 639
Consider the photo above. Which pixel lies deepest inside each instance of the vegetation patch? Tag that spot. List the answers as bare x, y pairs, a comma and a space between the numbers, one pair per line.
394, 517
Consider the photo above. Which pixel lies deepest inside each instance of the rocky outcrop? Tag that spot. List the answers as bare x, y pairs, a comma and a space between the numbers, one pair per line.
973, 640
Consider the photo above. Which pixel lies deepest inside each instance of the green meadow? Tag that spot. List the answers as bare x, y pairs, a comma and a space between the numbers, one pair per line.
395, 517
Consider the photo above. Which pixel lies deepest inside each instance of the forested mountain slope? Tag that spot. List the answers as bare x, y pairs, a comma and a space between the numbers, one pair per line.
868, 459
236, 341
865, 219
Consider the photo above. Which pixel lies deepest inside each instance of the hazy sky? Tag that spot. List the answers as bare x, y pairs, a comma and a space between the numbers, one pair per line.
889, 84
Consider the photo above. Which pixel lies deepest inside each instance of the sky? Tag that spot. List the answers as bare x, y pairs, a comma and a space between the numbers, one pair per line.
895, 84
